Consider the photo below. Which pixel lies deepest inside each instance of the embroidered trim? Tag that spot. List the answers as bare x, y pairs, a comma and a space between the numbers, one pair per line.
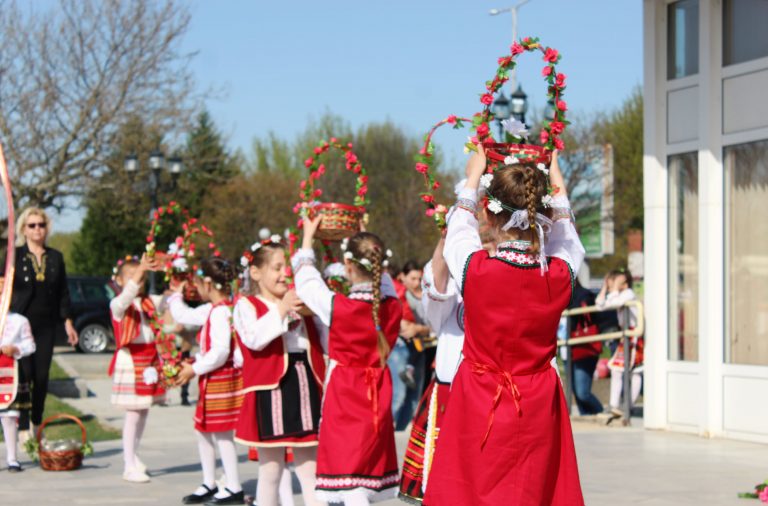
561, 213
304, 403
518, 244
349, 482
518, 257
464, 274
468, 205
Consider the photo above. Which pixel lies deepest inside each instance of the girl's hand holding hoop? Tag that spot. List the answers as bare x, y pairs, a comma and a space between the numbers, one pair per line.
310, 228
476, 166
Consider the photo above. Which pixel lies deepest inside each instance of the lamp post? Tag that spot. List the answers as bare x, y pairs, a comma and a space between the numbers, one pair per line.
156, 164
519, 104
501, 111
513, 11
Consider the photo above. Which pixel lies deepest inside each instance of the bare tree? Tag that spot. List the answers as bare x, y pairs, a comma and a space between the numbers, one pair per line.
71, 74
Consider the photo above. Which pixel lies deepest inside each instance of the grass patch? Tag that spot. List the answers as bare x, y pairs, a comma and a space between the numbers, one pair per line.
65, 429
56, 372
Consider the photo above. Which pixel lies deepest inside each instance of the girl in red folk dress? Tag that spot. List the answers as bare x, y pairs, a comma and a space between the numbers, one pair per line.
220, 380
506, 436
283, 368
356, 461
135, 366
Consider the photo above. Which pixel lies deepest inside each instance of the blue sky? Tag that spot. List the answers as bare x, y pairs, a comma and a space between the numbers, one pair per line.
279, 64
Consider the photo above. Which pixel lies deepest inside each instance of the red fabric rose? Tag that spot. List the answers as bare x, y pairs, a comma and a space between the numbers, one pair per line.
435, 185
517, 48
318, 151
560, 80
303, 185
317, 193
483, 130
430, 212
546, 71
557, 127
559, 144
321, 169
561, 105
544, 136
487, 99
427, 198
308, 162
422, 167
362, 191
551, 55
451, 119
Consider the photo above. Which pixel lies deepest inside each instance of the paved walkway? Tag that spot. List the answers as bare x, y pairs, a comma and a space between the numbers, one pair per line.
618, 465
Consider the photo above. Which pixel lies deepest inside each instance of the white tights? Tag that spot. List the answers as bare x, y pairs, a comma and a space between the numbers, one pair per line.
271, 471
617, 383
226, 443
133, 429
11, 435
356, 498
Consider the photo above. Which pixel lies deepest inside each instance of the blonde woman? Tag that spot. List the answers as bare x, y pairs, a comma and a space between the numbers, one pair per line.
40, 294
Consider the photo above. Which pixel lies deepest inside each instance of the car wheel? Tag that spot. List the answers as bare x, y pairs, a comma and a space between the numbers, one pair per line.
94, 338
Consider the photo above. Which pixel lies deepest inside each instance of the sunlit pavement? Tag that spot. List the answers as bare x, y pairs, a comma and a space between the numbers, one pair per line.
617, 465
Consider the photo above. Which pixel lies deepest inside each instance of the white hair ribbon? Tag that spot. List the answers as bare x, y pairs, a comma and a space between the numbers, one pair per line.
519, 219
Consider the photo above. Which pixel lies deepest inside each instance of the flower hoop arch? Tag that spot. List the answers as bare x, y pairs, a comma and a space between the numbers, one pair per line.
423, 164
338, 220
550, 137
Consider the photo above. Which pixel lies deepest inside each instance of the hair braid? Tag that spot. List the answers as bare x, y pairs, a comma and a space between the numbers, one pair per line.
376, 270
530, 202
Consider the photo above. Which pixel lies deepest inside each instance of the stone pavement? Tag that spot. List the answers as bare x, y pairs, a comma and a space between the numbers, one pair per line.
617, 465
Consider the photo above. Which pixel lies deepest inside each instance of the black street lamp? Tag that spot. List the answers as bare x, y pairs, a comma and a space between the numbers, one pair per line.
156, 165
501, 111
519, 104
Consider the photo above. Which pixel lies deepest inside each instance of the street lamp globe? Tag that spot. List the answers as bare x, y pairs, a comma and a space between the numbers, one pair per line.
175, 166
156, 160
519, 103
131, 164
501, 108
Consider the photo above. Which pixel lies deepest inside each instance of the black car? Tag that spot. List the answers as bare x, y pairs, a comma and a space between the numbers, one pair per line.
90, 297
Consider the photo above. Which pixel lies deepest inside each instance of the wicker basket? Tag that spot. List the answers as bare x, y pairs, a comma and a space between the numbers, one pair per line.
525, 153
67, 460
338, 221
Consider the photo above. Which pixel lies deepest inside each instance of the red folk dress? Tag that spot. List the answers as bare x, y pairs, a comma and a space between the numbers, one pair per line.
221, 389
506, 436
357, 438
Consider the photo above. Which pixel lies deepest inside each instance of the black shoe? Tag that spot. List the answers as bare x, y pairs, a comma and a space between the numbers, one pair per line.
232, 498
200, 499
185, 401
15, 468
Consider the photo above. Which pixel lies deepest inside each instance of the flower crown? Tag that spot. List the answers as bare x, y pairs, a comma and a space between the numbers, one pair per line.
267, 239
364, 262
121, 261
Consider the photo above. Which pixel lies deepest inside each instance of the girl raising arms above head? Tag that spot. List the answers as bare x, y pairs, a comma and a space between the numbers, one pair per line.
356, 459
506, 436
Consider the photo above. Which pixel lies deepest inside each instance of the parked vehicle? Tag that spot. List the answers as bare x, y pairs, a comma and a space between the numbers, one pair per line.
90, 297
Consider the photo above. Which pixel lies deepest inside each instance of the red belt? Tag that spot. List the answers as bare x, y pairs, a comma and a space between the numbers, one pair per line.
506, 381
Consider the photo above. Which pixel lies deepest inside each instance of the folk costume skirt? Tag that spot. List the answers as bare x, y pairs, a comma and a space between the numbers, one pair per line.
357, 436
421, 445
220, 399
288, 415
129, 391
518, 451
14, 388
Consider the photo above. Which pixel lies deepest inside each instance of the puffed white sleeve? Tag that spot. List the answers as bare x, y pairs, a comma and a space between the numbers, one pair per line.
220, 328
26, 342
123, 300
310, 286
256, 333
322, 333
463, 237
438, 307
563, 241
185, 315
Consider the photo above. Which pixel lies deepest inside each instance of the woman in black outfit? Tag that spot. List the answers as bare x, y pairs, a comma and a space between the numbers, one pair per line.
40, 293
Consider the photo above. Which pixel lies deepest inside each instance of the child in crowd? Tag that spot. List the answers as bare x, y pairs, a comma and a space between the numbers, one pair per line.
356, 459
219, 380
615, 292
15, 343
506, 436
135, 366
283, 370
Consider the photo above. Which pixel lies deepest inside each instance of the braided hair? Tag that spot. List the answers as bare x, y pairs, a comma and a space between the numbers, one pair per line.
365, 245
520, 186
222, 272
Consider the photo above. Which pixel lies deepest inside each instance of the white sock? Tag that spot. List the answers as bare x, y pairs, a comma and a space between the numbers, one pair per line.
637, 383
305, 461
286, 488
271, 464
226, 443
130, 440
11, 435
207, 461
617, 380
140, 425
356, 498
